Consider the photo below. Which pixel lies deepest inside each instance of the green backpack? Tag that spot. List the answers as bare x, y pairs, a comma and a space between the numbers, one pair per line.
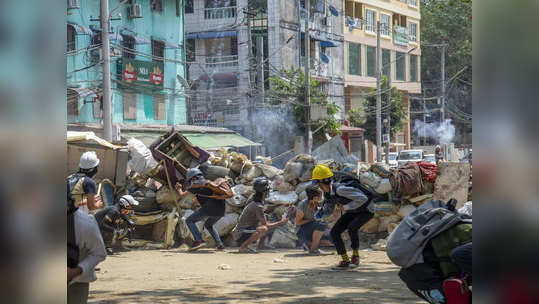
448, 240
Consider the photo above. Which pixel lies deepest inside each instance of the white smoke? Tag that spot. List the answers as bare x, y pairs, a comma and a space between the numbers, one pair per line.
443, 133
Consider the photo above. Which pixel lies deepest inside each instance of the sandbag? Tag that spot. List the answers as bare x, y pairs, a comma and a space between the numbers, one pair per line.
165, 196
141, 160
224, 225
381, 169
384, 208
278, 198
269, 171
243, 190
283, 237
284, 188
307, 173
383, 187
237, 200
370, 179
214, 172
386, 220
146, 204
251, 173
187, 202
371, 226
302, 186
405, 210
236, 166
292, 171
380, 245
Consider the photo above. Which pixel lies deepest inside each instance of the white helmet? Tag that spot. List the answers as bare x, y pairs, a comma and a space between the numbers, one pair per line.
88, 160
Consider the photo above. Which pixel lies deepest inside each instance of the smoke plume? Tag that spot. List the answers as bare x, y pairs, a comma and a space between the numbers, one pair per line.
443, 133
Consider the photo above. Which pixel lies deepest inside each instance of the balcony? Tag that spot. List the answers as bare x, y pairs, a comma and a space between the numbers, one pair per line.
222, 61
220, 12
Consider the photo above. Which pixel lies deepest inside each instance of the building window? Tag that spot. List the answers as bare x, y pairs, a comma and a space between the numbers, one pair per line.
413, 2
159, 107
128, 42
399, 20
98, 106
96, 38
190, 47
234, 45
157, 5
354, 58
70, 38
353, 9
189, 7
413, 68
413, 32
371, 20
385, 24
401, 66
130, 105
386, 62
72, 103
371, 61
158, 50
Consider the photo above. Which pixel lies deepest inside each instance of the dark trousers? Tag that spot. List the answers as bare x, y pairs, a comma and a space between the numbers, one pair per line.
351, 222
462, 256
77, 293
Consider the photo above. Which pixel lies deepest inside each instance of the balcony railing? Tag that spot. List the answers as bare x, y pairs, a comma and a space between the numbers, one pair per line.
220, 12
222, 61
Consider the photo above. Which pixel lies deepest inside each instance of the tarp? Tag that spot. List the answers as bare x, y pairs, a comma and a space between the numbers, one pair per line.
218, 140
75, 136
335, 150
209, 35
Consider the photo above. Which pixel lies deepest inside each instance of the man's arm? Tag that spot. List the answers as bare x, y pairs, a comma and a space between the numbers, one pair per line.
90, 189
96, 249
357, 196
300, 221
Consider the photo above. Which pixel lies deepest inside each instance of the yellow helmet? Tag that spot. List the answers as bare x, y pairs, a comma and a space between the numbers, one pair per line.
322, 172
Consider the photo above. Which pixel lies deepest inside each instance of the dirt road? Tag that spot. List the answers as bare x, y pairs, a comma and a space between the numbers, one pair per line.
279, 276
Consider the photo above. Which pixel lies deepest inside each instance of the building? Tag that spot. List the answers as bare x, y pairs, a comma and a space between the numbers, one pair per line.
147, 62
401, 51
223, 93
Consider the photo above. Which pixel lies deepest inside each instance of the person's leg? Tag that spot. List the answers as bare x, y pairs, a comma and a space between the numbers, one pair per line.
318, 230
462, 256
339, 227
260, 232
353, 230
191, 223
77, 293
209, 225
424, 281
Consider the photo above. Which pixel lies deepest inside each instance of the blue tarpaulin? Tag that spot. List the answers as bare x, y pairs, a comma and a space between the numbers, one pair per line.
324, 42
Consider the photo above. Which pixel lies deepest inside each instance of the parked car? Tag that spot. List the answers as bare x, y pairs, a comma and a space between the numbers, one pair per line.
410, 156
430, 158
392, 159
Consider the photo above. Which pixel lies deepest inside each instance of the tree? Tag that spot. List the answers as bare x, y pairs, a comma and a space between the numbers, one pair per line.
289, 87
449, 21
398, 112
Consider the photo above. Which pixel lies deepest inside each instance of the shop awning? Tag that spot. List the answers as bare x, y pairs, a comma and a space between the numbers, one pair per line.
81, 30
210, 35
82, 92
324, 41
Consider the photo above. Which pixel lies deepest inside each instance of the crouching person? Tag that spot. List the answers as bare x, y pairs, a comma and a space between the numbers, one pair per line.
115, 223
311, 231
252, 224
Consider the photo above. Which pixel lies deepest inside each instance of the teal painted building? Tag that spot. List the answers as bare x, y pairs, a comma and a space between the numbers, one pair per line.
147, 63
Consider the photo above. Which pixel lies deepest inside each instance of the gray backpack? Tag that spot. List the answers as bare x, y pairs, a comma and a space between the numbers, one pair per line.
406, 243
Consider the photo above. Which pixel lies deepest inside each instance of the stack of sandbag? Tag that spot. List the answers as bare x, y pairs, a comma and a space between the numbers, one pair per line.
299, 169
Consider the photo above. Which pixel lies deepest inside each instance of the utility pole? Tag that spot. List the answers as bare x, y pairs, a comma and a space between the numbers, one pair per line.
443, 81
105, 28
424, 120
251, 72
308, 134
298, 39
259, 74
378, 96
388, 144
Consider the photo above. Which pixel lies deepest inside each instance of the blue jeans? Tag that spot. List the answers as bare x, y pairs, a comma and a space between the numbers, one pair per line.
198, 216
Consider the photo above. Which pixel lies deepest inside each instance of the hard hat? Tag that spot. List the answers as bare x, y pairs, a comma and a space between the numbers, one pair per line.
88, 160
127, 201
261, 184
192, 173
321, 172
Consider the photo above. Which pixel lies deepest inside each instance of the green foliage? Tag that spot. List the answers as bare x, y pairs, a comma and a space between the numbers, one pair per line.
398, 111
356, 117
290, 88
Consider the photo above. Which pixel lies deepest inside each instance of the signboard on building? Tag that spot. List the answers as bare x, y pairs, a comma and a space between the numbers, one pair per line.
385, 138
149, 74
400, 35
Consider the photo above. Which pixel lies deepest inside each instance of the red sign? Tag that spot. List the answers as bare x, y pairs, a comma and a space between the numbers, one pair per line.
129, 76
156, 78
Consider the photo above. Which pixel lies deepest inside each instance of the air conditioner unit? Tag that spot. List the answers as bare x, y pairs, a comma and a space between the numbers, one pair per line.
135, 11
73, 4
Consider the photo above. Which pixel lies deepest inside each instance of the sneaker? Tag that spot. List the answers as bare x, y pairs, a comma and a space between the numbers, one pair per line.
109, 251
220, 247
315, 252
306, 247
247, 250
355, 260
197, 245
342, 265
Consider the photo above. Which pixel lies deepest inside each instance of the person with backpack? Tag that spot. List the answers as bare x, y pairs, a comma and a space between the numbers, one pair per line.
433, 246
211, 196
85, 249
356, 204
115, 222
252, 224
81, 186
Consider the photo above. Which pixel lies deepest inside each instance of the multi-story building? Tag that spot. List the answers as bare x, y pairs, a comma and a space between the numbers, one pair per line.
400, 43
147, 62
217, 33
